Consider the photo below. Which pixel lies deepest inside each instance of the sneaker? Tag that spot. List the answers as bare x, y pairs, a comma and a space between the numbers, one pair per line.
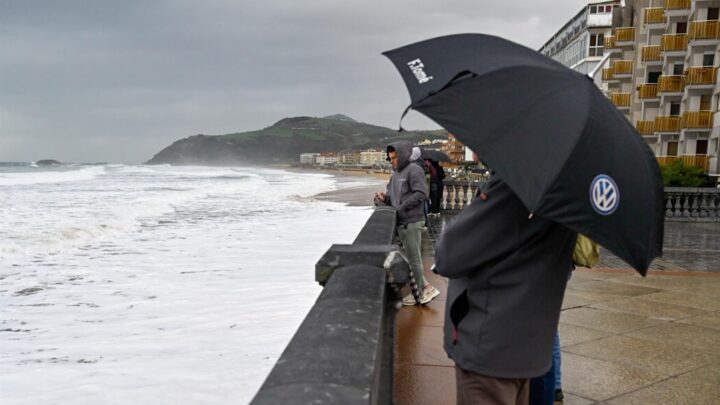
559, 396
409, 300
429, 293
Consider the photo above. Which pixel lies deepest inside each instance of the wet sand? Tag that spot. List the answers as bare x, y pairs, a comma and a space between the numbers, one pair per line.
355, 196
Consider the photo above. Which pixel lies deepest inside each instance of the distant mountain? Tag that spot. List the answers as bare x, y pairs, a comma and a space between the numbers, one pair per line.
285, 141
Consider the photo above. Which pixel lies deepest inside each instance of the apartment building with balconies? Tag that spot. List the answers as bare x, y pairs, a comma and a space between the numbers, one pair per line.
671, 95
661, 72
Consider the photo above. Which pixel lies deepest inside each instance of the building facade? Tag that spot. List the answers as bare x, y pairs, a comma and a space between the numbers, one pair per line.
662, 71
308, 158
372, 157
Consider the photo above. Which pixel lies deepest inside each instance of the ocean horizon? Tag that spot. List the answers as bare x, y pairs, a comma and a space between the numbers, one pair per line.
157, 284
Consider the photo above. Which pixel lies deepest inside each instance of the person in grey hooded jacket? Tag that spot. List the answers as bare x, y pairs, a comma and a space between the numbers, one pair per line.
407, 192
507, 273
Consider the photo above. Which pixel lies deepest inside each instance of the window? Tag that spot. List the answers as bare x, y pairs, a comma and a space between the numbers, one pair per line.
674, 108
678, 69
601, 9
672, 148
597, 42
701, 147
709, 59
713, 13
652, 77
681, 28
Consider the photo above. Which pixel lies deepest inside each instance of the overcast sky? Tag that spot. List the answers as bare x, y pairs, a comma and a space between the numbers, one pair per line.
117, 81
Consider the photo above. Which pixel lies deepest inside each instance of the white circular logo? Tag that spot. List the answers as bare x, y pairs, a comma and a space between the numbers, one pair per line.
604, 194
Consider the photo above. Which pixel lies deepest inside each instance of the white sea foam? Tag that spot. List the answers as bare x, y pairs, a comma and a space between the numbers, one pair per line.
156, 284
51, 176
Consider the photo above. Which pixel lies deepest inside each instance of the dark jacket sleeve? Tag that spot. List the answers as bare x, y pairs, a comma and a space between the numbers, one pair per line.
418, 188
482, 234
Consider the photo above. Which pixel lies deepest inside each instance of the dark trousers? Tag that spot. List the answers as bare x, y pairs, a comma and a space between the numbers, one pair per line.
473, 388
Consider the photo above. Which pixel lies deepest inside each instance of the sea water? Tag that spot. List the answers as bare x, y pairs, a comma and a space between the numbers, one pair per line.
156, 284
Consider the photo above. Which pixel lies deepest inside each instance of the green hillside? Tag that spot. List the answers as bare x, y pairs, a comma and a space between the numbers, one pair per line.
284, 141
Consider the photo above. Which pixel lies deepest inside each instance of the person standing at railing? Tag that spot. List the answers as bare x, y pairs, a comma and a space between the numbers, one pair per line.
507, 273
406, 192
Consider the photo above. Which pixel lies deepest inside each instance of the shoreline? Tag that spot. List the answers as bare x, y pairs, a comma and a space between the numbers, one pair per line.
354, 196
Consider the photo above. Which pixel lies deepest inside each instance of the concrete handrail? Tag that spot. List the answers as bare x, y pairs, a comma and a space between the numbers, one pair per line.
343, 350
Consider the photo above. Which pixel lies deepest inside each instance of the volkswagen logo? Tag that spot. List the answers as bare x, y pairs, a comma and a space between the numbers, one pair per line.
604, 194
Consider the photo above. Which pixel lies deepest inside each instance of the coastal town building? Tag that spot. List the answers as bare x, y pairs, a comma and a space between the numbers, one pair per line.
373, 156
661, 74
349, 158
326, 158
308, 158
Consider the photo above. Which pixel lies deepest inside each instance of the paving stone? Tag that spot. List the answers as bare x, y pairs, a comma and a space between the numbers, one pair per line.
572, 335
575, 299
651, 309
711, 320
611, 288
599, 380
704, 302
662, 358
571, 399
696, 387
424, 385
605, 321
685, 335
421, 345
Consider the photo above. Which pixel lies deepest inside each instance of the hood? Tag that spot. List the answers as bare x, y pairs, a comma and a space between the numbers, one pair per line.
403, 150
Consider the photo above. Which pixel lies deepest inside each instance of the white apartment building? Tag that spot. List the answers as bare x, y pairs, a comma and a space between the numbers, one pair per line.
372, 157
328, 158
308, 158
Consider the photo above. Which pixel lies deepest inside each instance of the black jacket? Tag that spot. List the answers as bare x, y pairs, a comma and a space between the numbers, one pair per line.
507, 280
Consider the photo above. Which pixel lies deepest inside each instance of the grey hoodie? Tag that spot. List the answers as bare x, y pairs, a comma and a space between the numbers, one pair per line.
406, 190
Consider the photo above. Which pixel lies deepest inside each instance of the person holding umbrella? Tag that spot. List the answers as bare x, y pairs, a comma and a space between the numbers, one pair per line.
566, 162
407, 192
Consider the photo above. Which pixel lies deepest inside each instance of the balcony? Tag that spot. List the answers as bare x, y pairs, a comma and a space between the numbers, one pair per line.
607, 74
655, 16
704, 30
671, 84
667, 123
622, 68
621, 100
701, 161
697, 120
645, 127
701, 76
610, 43
677, 5
648, 91
625, 35
651, 54
674, 43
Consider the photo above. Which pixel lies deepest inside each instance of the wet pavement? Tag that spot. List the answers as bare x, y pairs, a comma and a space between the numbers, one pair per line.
625, 339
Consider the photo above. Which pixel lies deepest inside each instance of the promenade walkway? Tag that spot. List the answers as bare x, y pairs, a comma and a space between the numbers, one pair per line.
625, 339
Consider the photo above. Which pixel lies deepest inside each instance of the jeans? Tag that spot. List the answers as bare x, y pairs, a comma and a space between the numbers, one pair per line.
411, 237
556, 362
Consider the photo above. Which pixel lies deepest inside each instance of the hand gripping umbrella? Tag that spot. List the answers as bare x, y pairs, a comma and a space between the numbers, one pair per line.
548, 131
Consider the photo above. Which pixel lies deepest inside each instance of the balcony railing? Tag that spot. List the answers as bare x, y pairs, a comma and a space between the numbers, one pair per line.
622, 67
625, 34
697, 119
704, 29
645, 127
651, 53
620, 99
671, 84
607, 74
648, 90
673, 42
701, 75
677, 4
655, 15
700, 161
610, 42
667, 123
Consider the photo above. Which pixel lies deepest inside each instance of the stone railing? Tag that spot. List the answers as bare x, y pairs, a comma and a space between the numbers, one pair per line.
681, 203
457, 194
685, 204
343, 351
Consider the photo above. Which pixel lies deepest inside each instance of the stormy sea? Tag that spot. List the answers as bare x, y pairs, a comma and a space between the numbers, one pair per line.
156, 284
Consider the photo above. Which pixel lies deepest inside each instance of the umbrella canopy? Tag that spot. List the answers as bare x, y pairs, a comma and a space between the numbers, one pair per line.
436, 155
548, 131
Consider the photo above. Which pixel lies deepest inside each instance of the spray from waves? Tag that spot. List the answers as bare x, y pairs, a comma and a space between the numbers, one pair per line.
54, 176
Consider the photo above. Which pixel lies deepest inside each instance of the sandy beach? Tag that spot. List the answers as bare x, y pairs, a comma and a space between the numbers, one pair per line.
356, 196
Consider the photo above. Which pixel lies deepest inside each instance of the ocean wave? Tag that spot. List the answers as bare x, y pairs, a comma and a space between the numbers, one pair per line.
51, 176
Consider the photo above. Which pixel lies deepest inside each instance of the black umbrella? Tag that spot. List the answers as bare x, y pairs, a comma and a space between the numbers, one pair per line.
548, 131
432, 154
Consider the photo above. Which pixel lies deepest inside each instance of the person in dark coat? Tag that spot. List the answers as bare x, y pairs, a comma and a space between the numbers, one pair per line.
436, 187
507, 273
